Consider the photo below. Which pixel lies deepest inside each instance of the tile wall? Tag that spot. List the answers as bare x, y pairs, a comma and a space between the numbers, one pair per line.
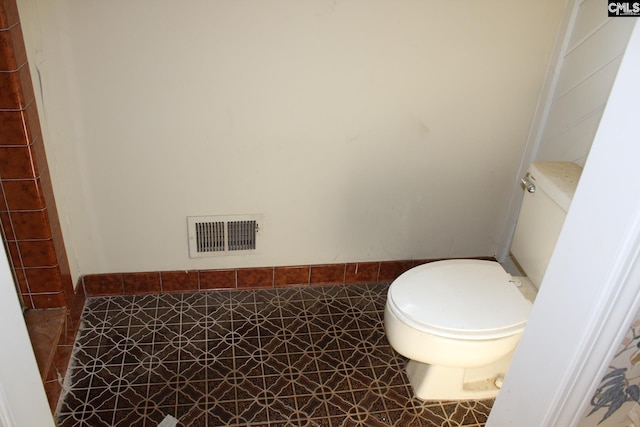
30, 226
244, 278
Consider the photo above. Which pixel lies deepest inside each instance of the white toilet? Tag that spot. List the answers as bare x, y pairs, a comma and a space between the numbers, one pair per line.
459, 321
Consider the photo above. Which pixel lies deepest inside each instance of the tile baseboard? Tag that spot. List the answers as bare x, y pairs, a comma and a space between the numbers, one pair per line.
109, 284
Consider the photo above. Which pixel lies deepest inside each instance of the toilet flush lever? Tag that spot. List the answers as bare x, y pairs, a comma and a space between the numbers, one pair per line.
528, 184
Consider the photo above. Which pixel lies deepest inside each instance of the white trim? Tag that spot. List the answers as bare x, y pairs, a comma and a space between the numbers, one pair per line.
538, 123
620, 296
6, 415
591, 291
619, 307
23, 401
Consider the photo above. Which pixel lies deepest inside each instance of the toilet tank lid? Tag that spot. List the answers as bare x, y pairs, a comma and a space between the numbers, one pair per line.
558, 179
460, 299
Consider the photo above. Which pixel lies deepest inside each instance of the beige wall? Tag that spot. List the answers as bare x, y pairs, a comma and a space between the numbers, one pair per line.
360, 130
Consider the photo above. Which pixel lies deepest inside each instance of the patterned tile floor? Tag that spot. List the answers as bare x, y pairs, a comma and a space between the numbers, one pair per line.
305, 356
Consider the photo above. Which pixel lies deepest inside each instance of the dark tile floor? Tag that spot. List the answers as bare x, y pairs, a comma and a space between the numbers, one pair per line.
305, 356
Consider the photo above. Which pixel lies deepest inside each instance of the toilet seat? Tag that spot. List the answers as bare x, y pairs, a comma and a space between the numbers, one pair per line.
461, 299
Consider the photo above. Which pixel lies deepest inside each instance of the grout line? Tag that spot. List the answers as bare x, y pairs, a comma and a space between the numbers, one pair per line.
247, 301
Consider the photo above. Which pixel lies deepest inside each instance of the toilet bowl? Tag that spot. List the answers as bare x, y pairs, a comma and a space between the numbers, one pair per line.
459, 321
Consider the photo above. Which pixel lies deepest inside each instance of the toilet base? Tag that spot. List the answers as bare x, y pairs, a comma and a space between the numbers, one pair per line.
432, 382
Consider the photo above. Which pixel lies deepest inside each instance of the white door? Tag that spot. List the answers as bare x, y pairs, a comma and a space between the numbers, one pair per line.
23, 401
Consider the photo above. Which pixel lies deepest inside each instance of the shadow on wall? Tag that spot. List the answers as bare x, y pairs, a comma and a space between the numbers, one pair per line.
389, 200
425, 208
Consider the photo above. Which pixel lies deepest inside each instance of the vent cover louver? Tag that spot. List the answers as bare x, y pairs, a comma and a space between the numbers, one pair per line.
210, 236
223, 235
242, 235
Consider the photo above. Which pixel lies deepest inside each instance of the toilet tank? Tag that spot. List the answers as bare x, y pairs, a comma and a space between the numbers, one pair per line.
542, 214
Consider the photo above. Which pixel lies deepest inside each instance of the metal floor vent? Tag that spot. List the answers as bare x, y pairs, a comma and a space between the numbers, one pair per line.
223, 235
